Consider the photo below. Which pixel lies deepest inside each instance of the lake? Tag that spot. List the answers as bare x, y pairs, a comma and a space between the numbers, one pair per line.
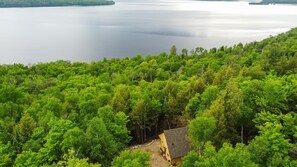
130, 27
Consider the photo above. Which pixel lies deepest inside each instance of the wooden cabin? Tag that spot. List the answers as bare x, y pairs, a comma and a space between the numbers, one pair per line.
174, 144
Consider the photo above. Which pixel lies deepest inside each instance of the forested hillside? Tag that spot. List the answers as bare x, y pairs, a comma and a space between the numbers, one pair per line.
241, 102
279, 1
45, 3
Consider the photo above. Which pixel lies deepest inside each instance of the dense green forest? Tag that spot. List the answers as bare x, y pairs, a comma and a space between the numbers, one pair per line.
239, 102
47, 3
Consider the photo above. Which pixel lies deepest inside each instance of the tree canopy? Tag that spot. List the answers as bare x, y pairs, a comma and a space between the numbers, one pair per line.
239, 103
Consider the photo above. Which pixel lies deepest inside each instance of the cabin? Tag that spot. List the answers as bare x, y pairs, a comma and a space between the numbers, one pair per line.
174, 144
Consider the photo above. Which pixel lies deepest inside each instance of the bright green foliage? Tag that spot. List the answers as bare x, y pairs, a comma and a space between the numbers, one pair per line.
207, 97
193, 105
74, 138
131, 159
75, 162
271, 94
190, 159
227, 110
120, 98
27, 159
71, 160
54, 105
238, 156
6, 155
36, 141
116, 125
11, 101
227, 156
201, 102
173, 50
101, 145
201, 130
271, 147
25, 127
52, 148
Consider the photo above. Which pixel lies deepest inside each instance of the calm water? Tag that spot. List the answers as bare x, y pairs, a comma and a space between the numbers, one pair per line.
32, 35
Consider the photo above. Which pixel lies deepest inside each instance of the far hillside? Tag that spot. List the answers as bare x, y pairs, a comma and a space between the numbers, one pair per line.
48, 3
279, 2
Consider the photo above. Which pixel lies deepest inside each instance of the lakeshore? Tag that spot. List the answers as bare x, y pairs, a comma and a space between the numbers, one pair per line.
52, 3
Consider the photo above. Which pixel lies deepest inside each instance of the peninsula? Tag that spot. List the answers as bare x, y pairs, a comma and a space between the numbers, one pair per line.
267, 2
52, 3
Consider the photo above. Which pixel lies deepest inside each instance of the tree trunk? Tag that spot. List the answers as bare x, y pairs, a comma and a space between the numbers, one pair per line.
144, 134
168, 123
141, 135
156, 128
241, 132
138, 135
201, 147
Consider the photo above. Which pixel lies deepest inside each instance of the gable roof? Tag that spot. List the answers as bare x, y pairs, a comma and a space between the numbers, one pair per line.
177, 142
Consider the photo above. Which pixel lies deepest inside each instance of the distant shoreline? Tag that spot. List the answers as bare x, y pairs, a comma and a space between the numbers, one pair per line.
257, 3
272, 3
254, 3
102, 3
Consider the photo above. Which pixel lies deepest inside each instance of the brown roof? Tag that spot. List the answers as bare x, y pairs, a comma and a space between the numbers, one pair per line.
177, 142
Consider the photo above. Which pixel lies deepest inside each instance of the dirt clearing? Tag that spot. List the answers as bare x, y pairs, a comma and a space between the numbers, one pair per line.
153, 148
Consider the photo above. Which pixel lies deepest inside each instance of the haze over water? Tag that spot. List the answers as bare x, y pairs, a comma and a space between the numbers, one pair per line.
130, 27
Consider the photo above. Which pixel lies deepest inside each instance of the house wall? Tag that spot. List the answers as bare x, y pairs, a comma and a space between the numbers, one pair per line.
176, 161
164, 146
